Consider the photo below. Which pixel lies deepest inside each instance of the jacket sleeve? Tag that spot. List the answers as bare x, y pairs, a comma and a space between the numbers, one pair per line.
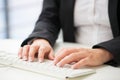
47, 25
113, 46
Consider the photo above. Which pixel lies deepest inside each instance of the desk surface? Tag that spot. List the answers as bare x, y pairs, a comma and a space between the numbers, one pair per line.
104, 72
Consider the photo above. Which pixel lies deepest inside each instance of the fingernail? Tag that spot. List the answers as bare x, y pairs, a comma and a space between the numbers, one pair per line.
55, 62
72, 67
30, 59
19, 57
40, 60
24, 58
58, 65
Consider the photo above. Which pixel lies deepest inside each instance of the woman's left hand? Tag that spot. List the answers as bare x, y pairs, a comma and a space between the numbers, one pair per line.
82, 56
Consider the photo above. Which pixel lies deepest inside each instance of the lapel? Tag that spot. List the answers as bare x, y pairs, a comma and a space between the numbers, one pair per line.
113, 16
67, 18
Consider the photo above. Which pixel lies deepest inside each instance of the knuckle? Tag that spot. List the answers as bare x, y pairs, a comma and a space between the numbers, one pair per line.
40, 55
73, 55
25, 46
42, 51
43, 48
33, 46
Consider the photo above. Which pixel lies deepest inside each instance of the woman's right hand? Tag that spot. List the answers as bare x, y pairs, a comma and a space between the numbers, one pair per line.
41, 47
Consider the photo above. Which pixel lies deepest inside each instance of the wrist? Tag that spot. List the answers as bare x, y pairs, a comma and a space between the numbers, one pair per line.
44, 41
107, 54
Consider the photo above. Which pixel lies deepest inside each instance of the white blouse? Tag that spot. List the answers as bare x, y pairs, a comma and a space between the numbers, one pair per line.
92, 21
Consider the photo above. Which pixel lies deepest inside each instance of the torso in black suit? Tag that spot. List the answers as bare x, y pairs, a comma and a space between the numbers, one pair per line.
58, 14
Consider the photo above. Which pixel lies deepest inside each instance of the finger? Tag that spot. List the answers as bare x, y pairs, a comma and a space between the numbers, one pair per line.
68, 59
82, 63
20, 52
41, 53
62, 53
25, 52
33, 50
51, 55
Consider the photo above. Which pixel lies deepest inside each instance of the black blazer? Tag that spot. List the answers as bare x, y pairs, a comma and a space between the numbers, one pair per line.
58, 14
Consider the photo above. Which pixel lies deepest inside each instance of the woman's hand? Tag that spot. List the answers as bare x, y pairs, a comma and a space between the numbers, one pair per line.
40, 47
82, 56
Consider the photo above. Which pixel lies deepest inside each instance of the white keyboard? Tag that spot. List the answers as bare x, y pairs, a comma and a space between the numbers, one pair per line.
45, 68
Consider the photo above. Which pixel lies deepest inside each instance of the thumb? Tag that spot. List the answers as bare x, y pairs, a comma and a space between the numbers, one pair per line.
51, 55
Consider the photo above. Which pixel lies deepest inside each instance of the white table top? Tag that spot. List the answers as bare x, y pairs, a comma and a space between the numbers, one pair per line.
104, 72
